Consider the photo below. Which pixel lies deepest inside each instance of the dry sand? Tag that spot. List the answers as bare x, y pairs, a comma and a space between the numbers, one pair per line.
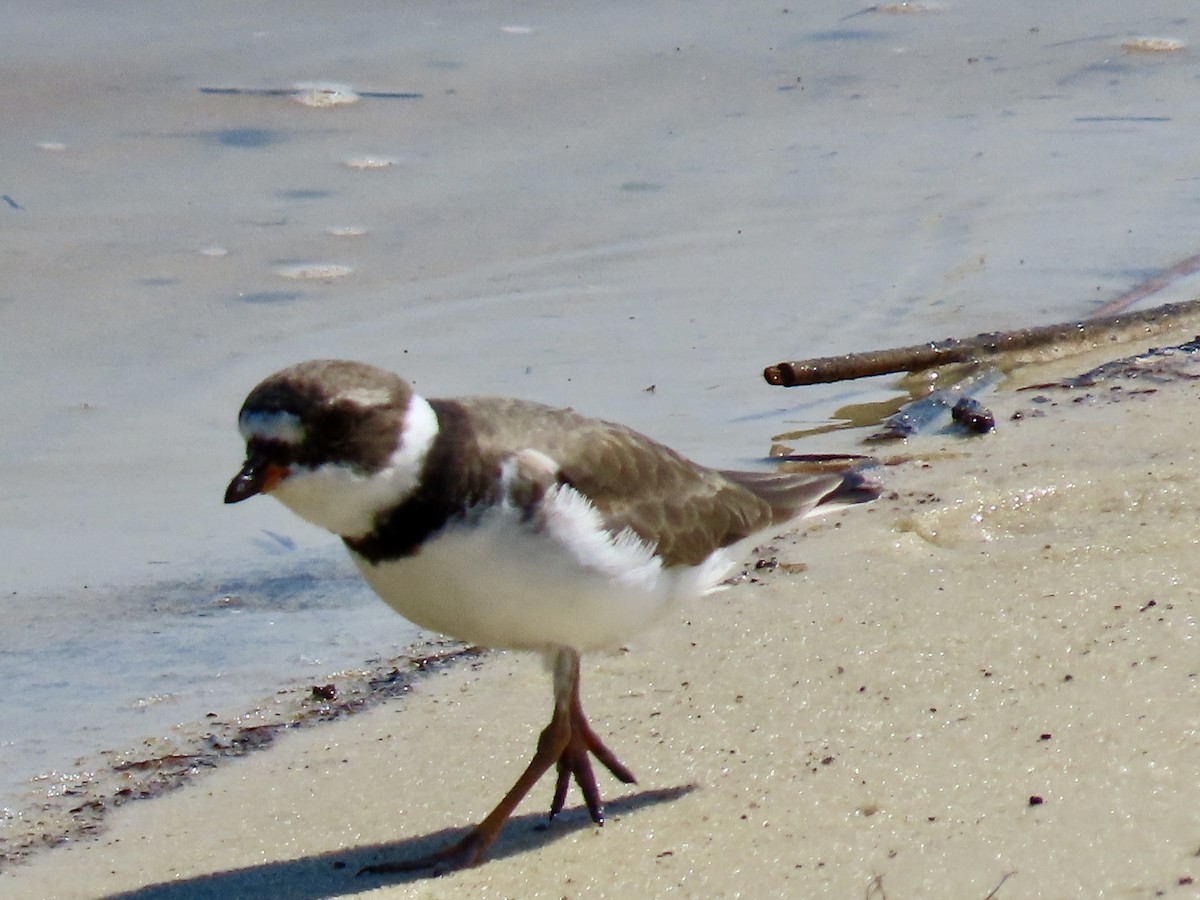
1016, 619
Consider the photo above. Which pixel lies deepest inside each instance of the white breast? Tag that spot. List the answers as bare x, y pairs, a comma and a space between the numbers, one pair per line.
502, 581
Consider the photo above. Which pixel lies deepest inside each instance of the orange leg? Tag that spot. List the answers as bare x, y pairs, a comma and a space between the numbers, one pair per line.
566, 743
574, 762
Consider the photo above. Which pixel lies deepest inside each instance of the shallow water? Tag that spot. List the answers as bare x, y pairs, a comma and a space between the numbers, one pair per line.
583, 205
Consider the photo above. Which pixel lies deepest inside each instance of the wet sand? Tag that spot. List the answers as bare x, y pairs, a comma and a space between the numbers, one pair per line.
987, 676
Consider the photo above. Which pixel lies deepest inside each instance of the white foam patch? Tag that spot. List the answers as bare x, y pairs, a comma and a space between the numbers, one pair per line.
272, 426
313, 271
371, 162
324, 94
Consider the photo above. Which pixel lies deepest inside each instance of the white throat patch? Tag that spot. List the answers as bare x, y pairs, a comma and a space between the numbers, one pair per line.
346, 502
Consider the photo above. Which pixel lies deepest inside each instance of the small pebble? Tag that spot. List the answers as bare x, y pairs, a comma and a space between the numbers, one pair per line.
973, 415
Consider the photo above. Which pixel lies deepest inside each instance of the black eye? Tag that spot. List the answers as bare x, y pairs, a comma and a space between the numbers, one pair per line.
335, 429
271, 451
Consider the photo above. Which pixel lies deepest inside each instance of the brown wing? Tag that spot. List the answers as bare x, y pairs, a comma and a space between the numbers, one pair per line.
686, 510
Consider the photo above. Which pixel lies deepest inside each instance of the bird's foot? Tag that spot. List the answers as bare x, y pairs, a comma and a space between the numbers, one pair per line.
574, 763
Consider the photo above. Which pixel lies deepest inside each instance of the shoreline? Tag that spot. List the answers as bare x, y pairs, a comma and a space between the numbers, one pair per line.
80, 806
972, 687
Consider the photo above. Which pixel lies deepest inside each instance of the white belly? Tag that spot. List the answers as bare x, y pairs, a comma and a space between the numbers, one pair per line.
502, 583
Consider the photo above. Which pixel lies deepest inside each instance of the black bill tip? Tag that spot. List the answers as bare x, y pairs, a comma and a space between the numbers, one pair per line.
246, 483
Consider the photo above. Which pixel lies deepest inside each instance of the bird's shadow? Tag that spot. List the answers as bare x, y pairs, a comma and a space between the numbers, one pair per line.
333, 874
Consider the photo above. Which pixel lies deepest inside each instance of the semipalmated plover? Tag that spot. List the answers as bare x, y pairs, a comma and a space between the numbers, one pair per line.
510, 524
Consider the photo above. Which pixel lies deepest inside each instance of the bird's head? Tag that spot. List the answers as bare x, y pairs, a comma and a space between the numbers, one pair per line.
335, 441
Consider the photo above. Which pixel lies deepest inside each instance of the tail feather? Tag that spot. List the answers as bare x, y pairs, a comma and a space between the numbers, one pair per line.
792, 494
855, 488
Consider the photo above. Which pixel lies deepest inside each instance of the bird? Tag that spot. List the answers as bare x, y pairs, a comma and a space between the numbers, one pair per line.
511, 524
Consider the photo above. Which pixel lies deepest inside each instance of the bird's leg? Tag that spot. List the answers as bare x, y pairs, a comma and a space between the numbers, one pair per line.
574, 762
469, 850
565, 742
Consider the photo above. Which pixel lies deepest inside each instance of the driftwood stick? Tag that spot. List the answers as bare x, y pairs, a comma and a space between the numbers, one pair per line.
1023, 345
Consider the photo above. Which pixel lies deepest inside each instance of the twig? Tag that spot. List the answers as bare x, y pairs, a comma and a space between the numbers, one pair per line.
1122, 302
996, 889
1023, 345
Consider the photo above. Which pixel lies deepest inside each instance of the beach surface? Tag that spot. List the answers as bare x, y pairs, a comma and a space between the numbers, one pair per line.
982, 685
630, 211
